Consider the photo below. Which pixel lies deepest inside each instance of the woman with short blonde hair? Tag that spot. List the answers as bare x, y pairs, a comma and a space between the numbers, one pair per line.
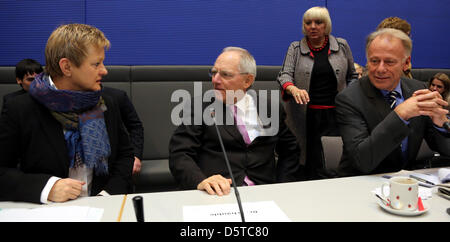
314, 70
66, 42
319, 13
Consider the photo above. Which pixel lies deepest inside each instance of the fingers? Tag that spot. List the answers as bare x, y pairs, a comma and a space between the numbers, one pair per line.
65, 189
434, 112
437, 115
421, 91
423, 102
300, 95
137, 165
216, 184
430, 103
423, 95
438, 103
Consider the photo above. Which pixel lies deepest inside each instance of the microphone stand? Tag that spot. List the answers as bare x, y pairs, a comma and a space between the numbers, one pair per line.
236, 192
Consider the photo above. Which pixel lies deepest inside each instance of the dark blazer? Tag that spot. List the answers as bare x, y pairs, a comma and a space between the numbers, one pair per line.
130, 118
195, 153
9, 96
32, 149
372, 133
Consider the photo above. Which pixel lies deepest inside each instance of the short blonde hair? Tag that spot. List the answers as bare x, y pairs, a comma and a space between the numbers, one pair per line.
320, 13
391, 33
71, 41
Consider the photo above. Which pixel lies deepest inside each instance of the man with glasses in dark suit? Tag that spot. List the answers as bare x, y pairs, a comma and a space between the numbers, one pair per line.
195, 156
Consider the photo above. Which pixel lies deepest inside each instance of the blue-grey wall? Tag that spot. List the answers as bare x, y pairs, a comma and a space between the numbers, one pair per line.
192, 32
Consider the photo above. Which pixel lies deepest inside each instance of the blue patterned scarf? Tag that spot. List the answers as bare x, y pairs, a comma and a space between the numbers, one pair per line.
81, 114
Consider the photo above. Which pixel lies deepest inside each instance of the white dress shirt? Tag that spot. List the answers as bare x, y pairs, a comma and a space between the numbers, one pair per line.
247, 111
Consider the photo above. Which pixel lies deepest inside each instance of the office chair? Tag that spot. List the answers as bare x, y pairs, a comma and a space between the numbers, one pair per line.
332, 151
429, 157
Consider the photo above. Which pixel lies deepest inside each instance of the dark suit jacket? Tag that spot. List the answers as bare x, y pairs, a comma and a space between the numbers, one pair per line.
372, 132
130, 118
10, 96
29, 132
195, 153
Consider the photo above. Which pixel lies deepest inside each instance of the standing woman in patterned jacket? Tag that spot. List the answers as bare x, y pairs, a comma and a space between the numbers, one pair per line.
315, 69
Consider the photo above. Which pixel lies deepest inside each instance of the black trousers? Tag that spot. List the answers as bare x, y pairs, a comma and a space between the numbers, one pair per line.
319, 122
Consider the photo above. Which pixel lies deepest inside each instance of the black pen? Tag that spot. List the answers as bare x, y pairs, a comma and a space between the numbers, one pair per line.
422, 180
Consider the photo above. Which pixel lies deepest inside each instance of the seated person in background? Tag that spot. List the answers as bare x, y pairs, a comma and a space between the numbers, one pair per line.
132, 122
400, 24
26, 70
440, 83
360, 70
382, 130
62, 139
196, 159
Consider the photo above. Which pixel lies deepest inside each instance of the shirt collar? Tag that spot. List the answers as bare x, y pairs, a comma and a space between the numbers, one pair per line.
243, 103
398, 88
50, 81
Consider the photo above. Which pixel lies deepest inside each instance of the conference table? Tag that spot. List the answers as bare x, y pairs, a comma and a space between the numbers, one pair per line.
337, 199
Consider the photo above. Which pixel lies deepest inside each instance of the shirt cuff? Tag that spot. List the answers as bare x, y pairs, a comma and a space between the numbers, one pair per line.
441, 129
48, 187
103, 193
404, 121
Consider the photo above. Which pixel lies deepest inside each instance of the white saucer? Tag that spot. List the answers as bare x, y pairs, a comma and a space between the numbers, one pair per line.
404, 212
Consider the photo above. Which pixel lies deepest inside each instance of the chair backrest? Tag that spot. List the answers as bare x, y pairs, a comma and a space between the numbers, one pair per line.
426, 155
333, 147
332, 151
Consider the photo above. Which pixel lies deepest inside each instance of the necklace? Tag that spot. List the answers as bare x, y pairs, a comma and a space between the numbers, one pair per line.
325, 42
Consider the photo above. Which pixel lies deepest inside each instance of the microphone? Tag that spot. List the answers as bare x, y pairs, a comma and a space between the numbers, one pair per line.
138, 208
446, 126
236, 192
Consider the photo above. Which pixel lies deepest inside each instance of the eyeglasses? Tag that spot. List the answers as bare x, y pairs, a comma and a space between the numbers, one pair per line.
224, 74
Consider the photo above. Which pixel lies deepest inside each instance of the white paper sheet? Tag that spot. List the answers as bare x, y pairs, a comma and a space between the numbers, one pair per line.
265, 211
444, 175
51, 214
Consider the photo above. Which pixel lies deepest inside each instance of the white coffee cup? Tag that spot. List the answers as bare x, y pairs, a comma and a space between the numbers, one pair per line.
403, 193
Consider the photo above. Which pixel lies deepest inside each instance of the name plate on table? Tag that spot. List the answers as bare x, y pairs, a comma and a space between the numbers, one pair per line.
265, 211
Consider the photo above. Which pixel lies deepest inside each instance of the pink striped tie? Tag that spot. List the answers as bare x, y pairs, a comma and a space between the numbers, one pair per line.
248, 182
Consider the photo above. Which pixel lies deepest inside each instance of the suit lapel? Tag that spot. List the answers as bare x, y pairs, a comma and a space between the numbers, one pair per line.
55, 135
382, 110
230, 129
233, 129
264, 114
377, 100
260, 100
107, 118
